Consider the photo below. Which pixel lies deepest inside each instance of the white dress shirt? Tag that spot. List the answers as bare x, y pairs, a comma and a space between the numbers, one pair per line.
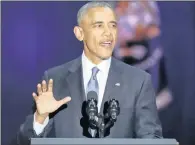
102, 75
87, 66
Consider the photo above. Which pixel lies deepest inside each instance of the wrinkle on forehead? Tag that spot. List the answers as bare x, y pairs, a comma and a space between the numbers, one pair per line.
93, 13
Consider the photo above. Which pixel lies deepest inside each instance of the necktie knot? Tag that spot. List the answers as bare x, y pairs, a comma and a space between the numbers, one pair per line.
94, 72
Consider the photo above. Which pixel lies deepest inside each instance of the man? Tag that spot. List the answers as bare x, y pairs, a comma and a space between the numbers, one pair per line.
64, 88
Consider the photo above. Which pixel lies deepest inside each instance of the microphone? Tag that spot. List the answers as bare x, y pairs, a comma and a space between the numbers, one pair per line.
91, 108
113, 109
112, 112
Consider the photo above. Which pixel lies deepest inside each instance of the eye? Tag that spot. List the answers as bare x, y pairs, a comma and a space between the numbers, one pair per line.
114, 25
99, 25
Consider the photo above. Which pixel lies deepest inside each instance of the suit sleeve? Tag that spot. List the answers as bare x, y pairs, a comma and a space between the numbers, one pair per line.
147, 123
26, 130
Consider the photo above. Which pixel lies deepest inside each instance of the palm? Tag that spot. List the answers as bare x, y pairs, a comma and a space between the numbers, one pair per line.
45, 102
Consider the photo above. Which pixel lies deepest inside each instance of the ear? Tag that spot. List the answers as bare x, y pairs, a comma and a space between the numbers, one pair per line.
78, 31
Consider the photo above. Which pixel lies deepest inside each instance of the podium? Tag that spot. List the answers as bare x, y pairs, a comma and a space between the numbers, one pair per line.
101, 141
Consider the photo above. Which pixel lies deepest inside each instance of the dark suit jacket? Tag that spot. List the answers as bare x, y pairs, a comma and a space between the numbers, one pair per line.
138, 116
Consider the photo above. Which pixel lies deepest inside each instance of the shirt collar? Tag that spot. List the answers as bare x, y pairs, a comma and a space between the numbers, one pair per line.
88, 65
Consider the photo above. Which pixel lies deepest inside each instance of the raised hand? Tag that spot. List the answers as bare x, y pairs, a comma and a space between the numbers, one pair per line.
45, 101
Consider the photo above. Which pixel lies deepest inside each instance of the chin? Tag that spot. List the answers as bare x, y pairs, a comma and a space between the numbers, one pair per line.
105, 57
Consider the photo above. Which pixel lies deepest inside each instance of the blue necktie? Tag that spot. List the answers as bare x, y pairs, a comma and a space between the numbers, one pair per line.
93, 83
93, 86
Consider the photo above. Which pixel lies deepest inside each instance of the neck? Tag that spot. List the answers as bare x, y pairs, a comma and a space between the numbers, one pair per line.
95, 60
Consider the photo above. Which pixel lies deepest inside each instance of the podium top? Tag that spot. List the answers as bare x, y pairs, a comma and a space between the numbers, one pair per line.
101, 141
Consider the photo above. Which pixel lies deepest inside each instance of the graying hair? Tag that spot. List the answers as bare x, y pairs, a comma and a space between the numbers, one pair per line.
82, 11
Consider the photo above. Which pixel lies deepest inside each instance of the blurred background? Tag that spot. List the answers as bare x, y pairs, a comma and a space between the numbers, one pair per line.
158, 37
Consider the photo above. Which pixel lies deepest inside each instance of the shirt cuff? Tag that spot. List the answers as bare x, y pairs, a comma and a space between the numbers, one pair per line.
38, 128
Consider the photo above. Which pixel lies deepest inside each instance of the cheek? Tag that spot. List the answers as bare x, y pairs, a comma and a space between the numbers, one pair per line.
89, 39
115, 34
95, 38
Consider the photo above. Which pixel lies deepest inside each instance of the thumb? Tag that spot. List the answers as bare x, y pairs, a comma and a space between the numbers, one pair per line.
64, 101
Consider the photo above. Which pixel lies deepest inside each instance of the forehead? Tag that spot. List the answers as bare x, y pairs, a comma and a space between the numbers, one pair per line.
99, 14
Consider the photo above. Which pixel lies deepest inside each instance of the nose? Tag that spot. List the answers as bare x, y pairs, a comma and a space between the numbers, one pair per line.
107, 31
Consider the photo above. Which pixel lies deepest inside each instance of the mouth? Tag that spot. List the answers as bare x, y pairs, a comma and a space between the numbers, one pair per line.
106, 43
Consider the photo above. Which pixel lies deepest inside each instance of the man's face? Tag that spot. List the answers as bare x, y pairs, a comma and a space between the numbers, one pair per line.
99, 32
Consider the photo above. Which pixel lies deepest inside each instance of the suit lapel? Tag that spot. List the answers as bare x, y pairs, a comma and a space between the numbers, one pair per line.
113, 85
75, 81
76, 87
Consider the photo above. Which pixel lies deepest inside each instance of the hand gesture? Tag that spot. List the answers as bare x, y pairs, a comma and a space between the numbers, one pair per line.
45, 101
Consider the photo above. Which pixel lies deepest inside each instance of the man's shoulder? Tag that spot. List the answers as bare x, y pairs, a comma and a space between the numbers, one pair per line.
131, 71
61, 69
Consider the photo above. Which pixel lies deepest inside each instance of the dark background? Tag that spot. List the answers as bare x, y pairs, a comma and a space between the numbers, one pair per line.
39, 35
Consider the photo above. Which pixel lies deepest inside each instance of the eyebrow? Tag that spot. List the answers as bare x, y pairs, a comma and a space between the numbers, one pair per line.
114, 22
101, 22
97, 22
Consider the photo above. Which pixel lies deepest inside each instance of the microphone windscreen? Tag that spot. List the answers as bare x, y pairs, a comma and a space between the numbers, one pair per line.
92, 95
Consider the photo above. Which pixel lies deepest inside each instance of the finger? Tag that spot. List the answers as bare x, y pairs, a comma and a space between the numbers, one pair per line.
35, 96
39, 90
64, 101
50, 85
44, 86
